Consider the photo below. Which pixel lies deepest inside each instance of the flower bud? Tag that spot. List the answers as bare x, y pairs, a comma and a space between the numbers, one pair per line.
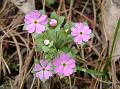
46, 42
53, 22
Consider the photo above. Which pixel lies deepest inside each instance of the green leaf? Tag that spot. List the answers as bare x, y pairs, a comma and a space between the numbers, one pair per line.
68, 26
51, 54
48, 56
85, 23
50, 2
39, 43
36, 60
35, 35
65, 49
45, 48
42, 12
33, 72
61, 34
60, 20
51, 44
60, 39
51, 34
114, 38
54, 15
68, 39
90, 71
113, 44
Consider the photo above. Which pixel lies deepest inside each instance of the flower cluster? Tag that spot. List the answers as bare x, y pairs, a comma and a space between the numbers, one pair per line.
63, 65
53, 38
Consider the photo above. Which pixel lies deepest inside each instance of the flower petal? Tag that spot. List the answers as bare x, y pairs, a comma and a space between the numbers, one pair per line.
59, 69
34, 15
71, 63
57, 62
37, 67
78, 40
47, 74
79, 26
28, 21
64, 57
43, 20
30, 28
85, 37
40, 75
67, 71
86, 30
43, 63
49, 66
40, 28
74, 31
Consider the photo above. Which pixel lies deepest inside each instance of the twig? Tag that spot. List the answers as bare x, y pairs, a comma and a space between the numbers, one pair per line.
20, 57
70, 82
94, 9
31, 87
85, 6
70, 12
4, 5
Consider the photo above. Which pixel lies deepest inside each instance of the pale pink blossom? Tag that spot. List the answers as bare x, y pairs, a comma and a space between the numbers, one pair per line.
64, 65
81, 33
43, 70
35, 22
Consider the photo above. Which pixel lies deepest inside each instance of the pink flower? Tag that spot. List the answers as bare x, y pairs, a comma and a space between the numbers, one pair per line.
64, 65
81, 33
35, 22
43, 70
53, 22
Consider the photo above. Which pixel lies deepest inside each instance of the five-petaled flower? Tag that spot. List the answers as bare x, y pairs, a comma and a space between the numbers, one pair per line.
35, 22
64, 65
43, 70
81, 33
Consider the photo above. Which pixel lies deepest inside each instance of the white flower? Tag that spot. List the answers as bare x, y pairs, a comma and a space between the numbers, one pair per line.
46, 42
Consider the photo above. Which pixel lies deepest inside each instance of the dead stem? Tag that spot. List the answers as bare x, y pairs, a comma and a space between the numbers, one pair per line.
20, 57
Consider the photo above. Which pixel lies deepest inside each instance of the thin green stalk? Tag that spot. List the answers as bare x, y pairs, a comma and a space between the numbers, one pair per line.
44, 5
70, 82
91, 71
113, 44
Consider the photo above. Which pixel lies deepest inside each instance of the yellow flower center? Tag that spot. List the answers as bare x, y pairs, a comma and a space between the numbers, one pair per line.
35, 22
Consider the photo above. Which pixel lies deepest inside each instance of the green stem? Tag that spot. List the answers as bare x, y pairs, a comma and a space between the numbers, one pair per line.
113, 44
44, 5
70, 82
